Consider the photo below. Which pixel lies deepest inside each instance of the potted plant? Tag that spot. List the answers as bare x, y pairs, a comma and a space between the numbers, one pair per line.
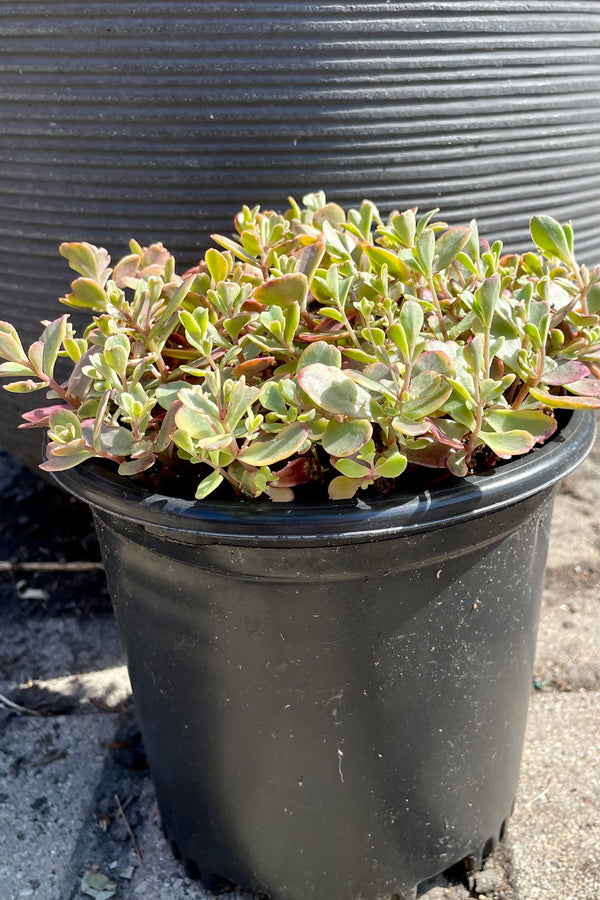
322, 466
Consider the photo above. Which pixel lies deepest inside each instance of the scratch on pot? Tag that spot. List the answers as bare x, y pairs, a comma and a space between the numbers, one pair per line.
340, 756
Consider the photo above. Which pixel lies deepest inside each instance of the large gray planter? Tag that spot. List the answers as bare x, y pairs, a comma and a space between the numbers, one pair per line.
156, 120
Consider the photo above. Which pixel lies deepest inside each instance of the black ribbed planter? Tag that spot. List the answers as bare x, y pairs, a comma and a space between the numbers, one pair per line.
333, 697
158, 119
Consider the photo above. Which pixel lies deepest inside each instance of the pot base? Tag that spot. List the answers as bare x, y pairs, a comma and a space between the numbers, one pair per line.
463, 867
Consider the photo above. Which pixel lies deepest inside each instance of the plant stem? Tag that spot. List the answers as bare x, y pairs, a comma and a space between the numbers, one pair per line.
438, 308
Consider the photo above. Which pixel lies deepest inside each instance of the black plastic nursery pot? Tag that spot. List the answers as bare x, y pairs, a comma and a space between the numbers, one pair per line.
333, 697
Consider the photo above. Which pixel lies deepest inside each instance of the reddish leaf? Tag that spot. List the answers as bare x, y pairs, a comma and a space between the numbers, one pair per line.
40, 417
297, 471
254, 366
567, 373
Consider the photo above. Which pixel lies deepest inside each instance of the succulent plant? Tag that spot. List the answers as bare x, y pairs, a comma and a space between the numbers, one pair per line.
317, 348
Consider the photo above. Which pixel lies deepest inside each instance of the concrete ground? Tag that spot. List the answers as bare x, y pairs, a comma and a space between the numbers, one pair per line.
78, 817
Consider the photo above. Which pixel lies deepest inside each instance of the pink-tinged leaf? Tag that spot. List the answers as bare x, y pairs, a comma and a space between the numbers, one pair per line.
556, 401
449, 245
253, 366
167, 428
36, 357
283, 291
73, 447
508, 443
155, 255
588, 387
434, 456
135, 466
442, 431
331, 336
333, 391
297, 471
10, 344
270, 450
434, 361
534, 421
567, 373
410, 428
60, 463
40, 417
78, 382
126, 268
457, 463
346, 438
86, 259
24, 387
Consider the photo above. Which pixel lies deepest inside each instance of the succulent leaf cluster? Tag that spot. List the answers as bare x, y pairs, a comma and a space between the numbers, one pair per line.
316, 347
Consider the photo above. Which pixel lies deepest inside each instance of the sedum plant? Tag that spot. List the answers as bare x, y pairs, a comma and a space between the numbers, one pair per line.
320, 348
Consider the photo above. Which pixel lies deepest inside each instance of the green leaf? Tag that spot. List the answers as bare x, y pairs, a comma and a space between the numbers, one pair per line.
196, 399
404, 224
507, 443
411, 319
343, 488
239, 402
116, 440
379, 257
88, 260
428, 392
320, 352
550, 238
333, 391
391, 466
272, 399
587, 387
425, 250
11, 347
534, 421
208, 485
195, 424
167, 428
292, 320
449, 245
267, 451
473, 355
65, 418
346, 438
409, 427
555, 401
352, 469
310, 258
331, 213
284, 291
60, 463
235, 248
24, 387
218, 265
13, 368
116, 353
332, 313
487, 296
166, 394
86, 294
397, 334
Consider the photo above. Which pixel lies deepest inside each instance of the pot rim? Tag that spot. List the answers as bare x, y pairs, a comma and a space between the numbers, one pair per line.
254, 523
